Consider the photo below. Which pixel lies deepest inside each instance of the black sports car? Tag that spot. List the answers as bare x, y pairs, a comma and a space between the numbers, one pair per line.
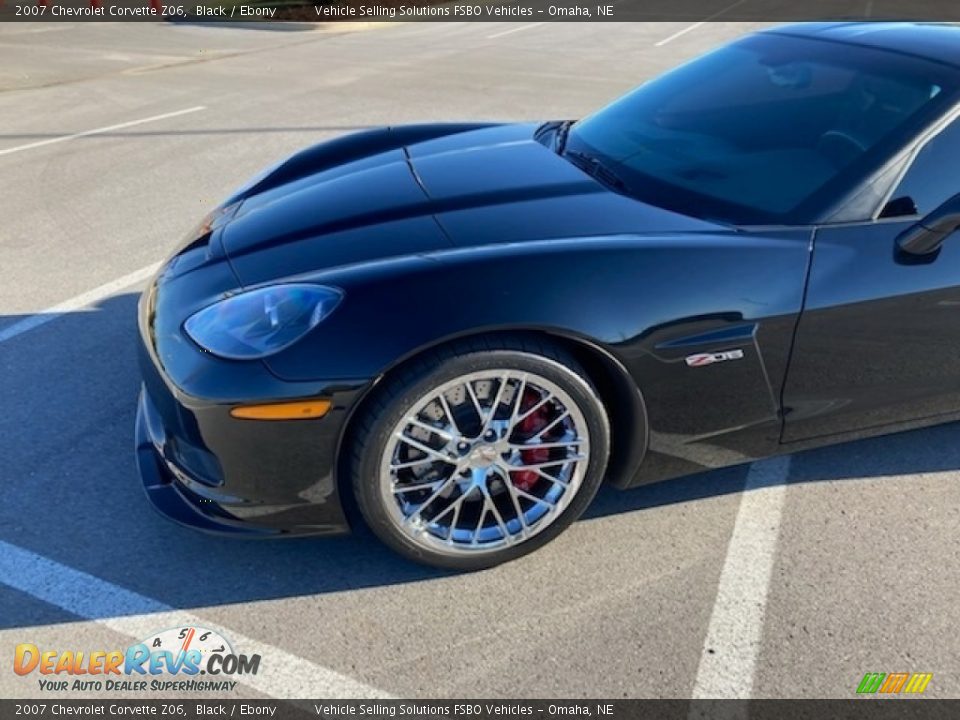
458, 332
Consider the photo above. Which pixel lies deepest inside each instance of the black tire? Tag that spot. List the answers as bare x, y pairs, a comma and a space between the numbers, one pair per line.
402, 391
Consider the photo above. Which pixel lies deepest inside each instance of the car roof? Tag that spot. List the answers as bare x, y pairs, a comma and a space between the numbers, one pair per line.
938, 42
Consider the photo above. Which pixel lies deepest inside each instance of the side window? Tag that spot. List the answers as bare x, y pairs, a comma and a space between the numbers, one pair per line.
933, 178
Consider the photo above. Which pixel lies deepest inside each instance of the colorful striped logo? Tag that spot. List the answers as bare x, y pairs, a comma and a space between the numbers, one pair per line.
894, 683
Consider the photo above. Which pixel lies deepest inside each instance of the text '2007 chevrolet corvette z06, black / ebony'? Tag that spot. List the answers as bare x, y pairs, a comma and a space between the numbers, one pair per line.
455, 333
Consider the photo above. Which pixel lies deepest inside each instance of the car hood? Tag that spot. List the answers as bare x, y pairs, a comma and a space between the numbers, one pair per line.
422, 189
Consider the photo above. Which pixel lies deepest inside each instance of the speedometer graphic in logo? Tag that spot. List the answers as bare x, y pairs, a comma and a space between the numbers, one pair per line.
183, 639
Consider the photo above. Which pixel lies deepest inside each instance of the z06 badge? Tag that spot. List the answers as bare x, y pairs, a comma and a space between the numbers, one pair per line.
701, 359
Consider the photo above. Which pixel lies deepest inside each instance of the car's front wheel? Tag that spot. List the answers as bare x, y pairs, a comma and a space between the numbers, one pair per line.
478, 455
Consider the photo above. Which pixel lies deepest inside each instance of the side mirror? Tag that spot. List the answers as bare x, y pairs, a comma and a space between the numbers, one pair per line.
928, 235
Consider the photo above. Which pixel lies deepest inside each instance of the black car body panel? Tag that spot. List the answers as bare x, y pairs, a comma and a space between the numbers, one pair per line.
805, 333
878, 339
467, 189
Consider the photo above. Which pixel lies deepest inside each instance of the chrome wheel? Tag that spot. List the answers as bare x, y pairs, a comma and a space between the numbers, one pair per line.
487, 460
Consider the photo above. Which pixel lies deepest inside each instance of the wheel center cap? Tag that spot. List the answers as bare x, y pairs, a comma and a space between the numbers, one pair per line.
483, 456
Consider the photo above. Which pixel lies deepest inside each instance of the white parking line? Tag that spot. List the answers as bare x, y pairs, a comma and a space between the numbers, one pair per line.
511, 31
75, 303
281, 674
729, 658
673, 37
691, 28
99, 131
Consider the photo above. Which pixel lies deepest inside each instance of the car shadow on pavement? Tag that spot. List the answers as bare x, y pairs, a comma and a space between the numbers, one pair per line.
71, 493
926, 450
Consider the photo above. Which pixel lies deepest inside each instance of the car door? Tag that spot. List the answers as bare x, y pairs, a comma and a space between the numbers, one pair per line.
878, 342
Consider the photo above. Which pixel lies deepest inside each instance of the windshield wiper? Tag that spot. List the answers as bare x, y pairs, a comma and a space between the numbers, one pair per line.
595, 168
560, 142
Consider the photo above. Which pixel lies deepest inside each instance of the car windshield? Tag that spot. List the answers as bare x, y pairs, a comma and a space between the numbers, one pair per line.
772, 129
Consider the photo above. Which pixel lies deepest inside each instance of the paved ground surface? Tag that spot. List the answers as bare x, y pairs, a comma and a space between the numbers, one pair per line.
833, 563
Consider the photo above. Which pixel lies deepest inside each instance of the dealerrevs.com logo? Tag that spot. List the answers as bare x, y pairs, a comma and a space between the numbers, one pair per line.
171, 660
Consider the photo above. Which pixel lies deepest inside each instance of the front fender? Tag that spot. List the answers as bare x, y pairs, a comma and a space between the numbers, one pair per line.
650, 302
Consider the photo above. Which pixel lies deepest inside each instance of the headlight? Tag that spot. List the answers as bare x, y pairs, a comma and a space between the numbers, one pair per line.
261, 322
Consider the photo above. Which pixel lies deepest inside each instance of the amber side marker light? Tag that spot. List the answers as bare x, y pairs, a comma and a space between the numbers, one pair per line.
301, 410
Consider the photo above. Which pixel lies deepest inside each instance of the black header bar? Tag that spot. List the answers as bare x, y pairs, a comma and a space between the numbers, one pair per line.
478, 10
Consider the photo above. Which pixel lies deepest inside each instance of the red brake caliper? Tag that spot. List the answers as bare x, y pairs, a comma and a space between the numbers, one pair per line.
529, 427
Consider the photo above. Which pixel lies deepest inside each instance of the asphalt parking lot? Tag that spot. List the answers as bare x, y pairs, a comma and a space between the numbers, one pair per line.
115, 140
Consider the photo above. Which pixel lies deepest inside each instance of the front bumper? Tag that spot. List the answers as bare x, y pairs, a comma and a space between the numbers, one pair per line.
202, 467
168, 487
261, 494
